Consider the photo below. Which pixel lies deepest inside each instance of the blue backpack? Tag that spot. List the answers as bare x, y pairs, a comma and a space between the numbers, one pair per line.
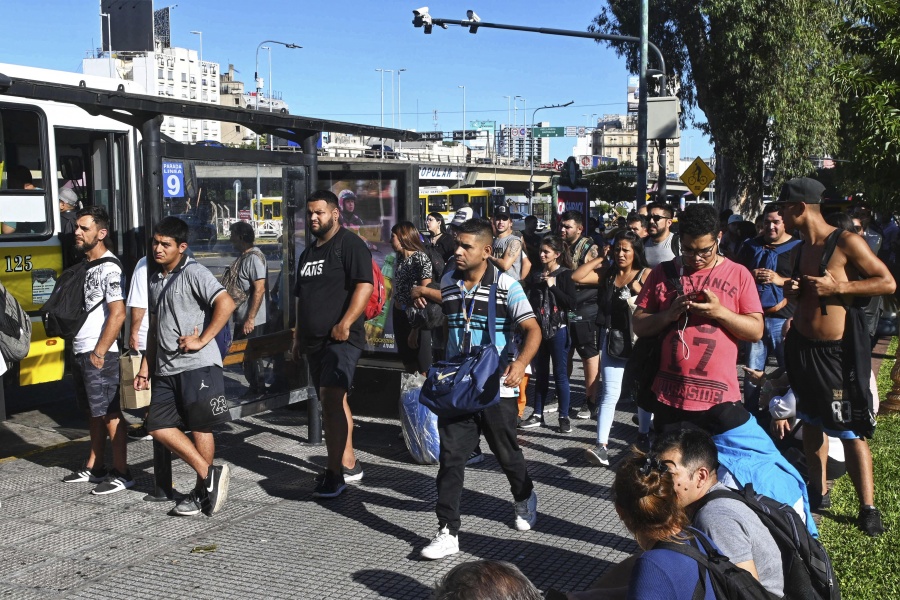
469, 382
766, 257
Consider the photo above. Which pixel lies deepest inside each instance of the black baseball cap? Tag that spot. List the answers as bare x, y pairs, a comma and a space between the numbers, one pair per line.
801, 189
501, 211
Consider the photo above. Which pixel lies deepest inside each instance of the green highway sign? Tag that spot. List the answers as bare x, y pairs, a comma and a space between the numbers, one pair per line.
542, 132
627, 172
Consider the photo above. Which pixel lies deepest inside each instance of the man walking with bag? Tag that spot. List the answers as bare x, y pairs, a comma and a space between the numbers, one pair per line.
188, 307
465, 294
245, 282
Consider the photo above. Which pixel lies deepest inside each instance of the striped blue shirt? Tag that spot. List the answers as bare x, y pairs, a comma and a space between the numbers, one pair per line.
512, 308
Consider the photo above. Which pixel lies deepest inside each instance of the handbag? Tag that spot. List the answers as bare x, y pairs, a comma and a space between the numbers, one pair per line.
428, 318
469, 382
616, 345
129, 365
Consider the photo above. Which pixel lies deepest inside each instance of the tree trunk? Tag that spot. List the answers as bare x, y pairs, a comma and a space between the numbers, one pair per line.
730, 190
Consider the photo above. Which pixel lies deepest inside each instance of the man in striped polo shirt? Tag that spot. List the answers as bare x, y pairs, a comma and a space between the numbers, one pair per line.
465, 292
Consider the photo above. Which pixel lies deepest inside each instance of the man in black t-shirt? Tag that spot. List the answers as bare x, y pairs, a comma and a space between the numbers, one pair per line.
334, 284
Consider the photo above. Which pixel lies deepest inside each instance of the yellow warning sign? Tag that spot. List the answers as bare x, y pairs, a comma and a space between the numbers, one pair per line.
697, 176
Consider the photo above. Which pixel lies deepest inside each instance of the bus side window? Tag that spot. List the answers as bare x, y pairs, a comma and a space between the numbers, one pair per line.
23, 208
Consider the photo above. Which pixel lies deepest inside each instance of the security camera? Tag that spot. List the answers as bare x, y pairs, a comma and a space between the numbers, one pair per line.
421, 18
470, 14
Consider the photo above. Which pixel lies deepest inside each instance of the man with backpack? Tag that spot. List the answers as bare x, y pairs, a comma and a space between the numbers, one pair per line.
245, 282
334, 284
827, 351
770, 258
95, 364
188, 308
738, 533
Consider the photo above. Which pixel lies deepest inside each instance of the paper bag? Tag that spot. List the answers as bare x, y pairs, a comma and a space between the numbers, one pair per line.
129, 365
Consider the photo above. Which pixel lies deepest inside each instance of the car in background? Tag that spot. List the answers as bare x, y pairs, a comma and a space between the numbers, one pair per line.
518, 223
198, 230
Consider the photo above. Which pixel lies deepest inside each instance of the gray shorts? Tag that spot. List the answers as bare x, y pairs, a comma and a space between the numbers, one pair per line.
97, 390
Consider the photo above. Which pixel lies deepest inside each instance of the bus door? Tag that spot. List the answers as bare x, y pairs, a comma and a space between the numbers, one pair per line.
479, 204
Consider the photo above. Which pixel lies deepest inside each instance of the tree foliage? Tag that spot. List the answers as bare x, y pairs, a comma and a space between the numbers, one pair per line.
605, 185
759, 71
868, 80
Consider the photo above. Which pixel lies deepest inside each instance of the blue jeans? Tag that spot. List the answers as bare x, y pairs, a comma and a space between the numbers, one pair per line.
772, 342
612, 369
557, 350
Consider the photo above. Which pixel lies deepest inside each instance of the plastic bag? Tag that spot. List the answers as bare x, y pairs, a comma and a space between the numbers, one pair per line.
420, 431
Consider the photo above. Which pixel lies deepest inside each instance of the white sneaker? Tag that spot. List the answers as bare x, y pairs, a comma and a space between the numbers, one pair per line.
443, 544
526, 512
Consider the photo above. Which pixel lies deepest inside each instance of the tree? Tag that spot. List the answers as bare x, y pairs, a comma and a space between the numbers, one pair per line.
868, 80
758, 70
604, 184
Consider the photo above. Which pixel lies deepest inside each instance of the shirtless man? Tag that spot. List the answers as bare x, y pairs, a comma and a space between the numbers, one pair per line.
827, 365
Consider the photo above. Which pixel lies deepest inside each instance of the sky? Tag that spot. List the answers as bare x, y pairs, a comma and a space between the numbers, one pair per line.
334, 75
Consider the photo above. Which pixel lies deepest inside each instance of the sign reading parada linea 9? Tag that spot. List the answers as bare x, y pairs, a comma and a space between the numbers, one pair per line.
173, 179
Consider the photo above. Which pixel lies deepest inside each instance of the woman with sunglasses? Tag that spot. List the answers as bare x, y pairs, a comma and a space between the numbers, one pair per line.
552, 294
412, 268
619, 285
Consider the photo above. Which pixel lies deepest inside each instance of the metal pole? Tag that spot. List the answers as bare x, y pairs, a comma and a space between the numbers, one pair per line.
271, 138
399, 109
465, 154
313, 411
392, 99
641, 191
108, 42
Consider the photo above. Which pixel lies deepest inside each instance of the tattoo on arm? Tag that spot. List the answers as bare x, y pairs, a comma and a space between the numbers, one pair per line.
592, 253
514, 249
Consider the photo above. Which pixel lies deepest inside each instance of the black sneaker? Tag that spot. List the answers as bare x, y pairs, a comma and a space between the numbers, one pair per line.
598, 455
139, 433
350, 475
532, 421
870, 521
819, 502
583, 413
643, 442
115, 482
189, 505
565, 425
476, 457
331, 486
95, 475
215, 489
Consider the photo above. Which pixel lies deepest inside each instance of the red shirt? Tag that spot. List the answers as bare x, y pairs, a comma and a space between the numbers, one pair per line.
698, 367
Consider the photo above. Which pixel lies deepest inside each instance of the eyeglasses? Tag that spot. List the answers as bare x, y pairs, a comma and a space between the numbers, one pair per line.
657, 217
704, 253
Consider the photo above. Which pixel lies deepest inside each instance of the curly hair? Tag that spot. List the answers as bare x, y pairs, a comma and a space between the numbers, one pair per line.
698, 220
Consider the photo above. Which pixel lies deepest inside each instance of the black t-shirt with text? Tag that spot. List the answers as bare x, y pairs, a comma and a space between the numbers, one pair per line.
326, 277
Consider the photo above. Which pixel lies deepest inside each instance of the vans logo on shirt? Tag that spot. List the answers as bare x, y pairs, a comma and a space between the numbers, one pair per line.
312, 268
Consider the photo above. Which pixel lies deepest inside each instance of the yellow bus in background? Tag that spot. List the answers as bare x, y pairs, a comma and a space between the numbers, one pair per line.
482, 201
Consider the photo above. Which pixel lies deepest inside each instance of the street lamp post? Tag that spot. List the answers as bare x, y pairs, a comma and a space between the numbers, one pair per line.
473, 22
383, 71
258, 90
465, 153
508, 130
531, 177
108, 41
200, 33
399, 108
382, 95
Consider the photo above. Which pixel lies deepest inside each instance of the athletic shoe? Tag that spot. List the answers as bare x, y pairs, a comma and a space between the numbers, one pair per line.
189, 505
476, 457
598, 455
583, 413
95, 475
526, 512
565, 425
115, 482
331, 486
532, 421
870, 521
139, 433
595, 411
443, 544
551, 408
819, 502
215, 489
350, 475
643, 442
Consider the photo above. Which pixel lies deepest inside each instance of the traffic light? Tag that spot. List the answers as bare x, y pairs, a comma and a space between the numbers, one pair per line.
570, 174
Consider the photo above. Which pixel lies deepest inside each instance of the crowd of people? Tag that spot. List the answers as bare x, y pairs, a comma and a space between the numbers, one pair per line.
795, 292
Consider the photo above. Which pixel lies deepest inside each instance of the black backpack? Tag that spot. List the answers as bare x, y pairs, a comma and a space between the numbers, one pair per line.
728, 580
63, 314
808, 574
437, 262
15, 328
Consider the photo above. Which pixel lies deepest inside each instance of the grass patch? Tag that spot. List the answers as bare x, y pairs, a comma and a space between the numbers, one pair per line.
870, 568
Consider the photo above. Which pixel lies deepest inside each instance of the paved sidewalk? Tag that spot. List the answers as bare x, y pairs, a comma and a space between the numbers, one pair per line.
272, 540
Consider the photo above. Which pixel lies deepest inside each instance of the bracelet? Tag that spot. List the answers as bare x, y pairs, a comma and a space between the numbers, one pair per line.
97, 355
141, 377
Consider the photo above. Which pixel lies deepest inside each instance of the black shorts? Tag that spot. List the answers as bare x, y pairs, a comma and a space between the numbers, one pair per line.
584, 338
97, 390
333, 365
192, 400
816, 369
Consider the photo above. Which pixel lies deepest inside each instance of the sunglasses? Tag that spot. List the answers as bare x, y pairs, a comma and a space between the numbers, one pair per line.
657, 217
501, 217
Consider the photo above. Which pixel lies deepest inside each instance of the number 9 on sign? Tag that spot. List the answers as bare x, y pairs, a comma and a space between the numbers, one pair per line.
173, 185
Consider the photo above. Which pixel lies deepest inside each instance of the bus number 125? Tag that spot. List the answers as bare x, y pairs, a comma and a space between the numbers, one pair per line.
17, 263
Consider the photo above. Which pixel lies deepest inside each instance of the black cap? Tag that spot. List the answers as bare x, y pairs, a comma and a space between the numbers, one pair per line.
802, 189
501, 211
